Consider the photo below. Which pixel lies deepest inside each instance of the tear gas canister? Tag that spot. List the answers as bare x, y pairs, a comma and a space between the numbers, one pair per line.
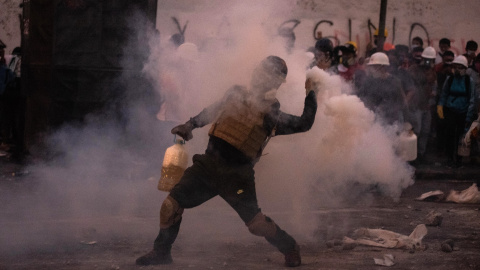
408, 145
174, 164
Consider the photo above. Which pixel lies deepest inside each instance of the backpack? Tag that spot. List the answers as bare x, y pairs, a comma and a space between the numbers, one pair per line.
467, 84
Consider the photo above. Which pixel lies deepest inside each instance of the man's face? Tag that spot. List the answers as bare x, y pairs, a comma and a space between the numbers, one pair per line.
444, 48
447, 60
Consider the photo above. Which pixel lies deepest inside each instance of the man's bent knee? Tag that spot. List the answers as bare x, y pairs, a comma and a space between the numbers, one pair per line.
170, 212
262, 225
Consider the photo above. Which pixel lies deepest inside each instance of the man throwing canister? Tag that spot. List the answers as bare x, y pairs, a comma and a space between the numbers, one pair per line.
243, 122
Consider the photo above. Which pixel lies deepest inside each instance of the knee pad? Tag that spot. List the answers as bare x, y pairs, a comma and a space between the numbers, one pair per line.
262, 225
170, 212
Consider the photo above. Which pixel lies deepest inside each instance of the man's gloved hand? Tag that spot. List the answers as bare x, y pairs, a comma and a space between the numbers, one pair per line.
184, 131
440, 111
310, 85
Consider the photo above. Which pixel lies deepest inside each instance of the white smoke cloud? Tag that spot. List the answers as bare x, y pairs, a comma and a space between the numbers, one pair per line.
104, 168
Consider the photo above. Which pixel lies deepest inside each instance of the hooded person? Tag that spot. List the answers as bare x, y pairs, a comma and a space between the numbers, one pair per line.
243, 122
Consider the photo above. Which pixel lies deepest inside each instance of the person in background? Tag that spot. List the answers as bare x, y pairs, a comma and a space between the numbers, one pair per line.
470, 51
421, 99
457, 106
382, 92
417, 42
323, 54
372, 48
443, 46
416, 55
442, 70
349, 64
7, 77
243, 121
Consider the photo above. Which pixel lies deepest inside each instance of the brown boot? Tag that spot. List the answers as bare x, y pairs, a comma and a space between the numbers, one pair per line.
155, 257
292, 258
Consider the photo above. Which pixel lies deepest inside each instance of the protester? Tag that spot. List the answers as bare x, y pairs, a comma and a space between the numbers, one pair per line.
371, 49
457, 107
443, 46
323, 54
381, 92
443, 70
470, 51
419, 101
417, 42
243, 121
349, 64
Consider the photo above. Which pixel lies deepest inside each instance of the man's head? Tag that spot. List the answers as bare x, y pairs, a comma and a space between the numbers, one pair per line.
471, 49
448, 57
444, 45
417, 42
378, 65
269, 74
460, 65
428, 57
417, 55
323, 53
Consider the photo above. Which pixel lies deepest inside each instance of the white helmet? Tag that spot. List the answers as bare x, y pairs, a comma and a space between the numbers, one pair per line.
429, 53
379, 58
462, 60
188, 51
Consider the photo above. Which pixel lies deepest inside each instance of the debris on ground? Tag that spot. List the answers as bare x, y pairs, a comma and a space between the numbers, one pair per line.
469, 195
434, 218
447, 246
389, 239
386, 261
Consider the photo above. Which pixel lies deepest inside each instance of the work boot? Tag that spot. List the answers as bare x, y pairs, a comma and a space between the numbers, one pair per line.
155, 257
292, 258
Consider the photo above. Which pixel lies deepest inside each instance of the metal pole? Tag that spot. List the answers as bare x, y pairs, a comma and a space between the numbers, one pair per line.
381, 26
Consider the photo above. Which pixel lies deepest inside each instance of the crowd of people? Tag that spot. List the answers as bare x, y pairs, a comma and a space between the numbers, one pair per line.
434, 91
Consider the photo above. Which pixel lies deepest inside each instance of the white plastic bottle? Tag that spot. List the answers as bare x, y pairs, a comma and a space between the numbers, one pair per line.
174, 164
408, 144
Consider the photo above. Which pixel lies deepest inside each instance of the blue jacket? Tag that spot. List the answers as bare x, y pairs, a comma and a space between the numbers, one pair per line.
456, 97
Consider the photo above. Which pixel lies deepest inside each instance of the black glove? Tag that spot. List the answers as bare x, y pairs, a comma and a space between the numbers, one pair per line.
184, 131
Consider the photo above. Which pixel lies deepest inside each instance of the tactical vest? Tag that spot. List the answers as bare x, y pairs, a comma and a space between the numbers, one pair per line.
241, 125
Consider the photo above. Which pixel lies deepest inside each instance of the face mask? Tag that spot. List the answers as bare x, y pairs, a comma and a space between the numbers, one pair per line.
471, 52
448, 63
414, 46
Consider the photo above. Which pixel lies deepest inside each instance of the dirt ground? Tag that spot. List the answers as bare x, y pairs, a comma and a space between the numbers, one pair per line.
114, 242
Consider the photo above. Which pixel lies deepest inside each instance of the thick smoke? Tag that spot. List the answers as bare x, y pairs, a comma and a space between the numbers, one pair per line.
107, 169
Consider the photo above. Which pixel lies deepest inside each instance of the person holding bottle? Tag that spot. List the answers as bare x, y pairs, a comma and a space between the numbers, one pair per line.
243, 122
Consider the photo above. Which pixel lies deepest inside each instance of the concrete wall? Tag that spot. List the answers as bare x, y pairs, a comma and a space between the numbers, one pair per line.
10, 23
457, 20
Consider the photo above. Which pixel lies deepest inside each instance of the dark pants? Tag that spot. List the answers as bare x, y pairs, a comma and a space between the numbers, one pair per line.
210, 176
454, 130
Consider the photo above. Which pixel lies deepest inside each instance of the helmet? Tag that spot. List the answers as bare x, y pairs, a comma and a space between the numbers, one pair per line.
462, 60
429, 53
385, 32
379, 58
324, 45
188, 51
351, 46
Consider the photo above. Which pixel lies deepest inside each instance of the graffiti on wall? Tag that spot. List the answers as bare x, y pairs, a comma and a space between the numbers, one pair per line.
340, 36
